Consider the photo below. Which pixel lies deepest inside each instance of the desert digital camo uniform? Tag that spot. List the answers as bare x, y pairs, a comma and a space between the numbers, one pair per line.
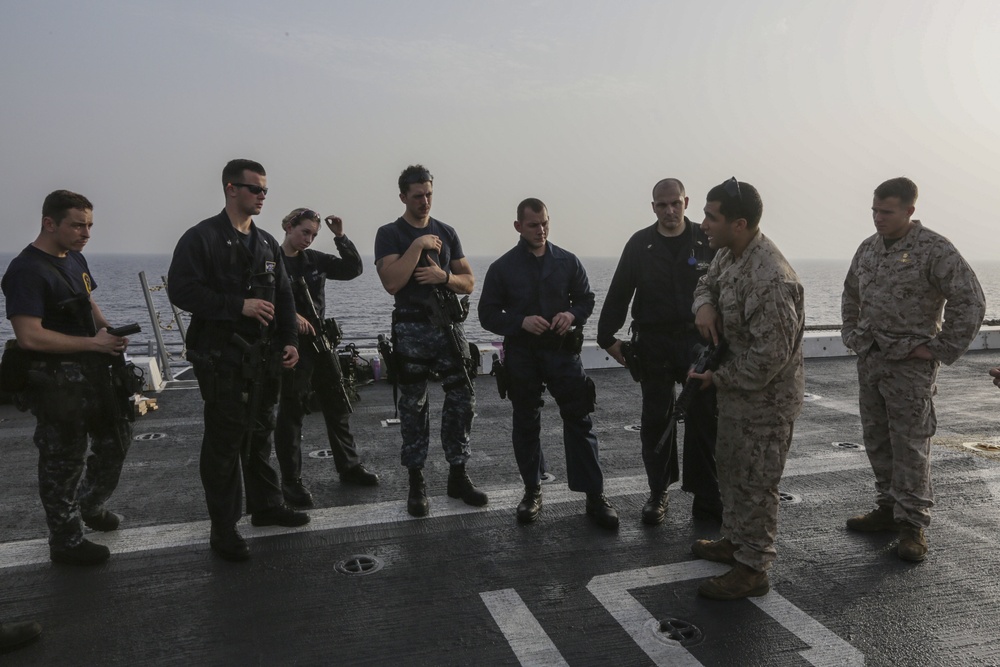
760, 386
892, 302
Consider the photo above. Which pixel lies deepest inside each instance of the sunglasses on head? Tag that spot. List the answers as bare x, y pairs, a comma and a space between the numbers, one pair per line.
732, 188
254, 189
303, 214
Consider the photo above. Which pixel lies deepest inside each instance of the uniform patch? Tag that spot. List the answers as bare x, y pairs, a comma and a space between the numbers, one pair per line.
86, 283
269, 266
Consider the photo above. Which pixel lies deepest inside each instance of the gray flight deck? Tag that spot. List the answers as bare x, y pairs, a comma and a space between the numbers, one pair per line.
470, 586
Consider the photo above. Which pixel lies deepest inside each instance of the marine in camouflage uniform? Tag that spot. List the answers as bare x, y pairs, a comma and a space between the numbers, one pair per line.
57, 322
415, 256
900, 282
752, 297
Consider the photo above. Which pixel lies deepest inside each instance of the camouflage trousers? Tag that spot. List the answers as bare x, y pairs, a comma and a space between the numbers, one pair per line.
751, 458
68, 408
422, 349
898, 421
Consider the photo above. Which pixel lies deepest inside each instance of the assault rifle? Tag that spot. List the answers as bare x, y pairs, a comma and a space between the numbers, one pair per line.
709, 357
324, 343
444, 309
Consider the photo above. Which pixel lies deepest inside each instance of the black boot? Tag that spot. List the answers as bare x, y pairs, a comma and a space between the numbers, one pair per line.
655, 508
13, 635
416, 503
460, 486
296, 494
601, 511
530, 505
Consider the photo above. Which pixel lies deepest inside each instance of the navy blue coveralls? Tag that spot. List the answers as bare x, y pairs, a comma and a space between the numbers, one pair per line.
662, 274
309, 375
518, 285
213, 270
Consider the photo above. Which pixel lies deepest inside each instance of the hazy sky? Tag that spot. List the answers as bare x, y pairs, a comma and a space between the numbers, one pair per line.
139, 104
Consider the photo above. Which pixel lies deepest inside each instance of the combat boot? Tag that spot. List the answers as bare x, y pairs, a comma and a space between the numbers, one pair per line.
296, 494
879, 519
228, 543
912, 543
359, 475
740, 582
13, 635
416, 503
601, 511
460, 486
85, 553
103, 521
655, 508
530, 505
707, 509
279, 516
719, 551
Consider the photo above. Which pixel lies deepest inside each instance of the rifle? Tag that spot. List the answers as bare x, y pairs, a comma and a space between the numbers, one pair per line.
444, 309
324, 343
709, 357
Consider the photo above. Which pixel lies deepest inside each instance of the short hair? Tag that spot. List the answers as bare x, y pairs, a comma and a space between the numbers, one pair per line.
58, 203
234, 169
414, 174
901, 187
738, 200
670, 181
295, 218
536, 205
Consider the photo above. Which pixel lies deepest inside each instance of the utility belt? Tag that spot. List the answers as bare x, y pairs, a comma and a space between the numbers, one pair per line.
410, 316
571, 341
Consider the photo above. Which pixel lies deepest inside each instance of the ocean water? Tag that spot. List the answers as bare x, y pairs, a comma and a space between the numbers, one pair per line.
363, 308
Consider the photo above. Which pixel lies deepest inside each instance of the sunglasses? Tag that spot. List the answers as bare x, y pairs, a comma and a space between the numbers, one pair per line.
304, 213
254, 189
732, 188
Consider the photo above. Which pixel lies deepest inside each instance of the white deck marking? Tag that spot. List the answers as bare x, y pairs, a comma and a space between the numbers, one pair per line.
168, 536
612, 590
531, 646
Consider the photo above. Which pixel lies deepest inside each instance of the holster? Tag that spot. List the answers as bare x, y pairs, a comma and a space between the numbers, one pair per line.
14, 367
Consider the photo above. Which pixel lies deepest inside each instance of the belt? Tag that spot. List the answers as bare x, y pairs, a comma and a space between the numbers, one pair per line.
410, 316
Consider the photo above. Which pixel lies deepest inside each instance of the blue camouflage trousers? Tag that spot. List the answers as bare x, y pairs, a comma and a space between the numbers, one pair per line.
421, 349
69, 407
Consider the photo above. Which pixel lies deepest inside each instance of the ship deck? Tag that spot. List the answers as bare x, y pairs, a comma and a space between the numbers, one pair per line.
365, 584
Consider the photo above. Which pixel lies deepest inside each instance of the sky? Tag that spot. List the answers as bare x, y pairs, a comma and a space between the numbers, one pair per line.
585, 105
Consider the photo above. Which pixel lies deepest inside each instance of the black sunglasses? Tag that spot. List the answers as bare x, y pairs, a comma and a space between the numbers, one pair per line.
304, 213
254, 189
732, 188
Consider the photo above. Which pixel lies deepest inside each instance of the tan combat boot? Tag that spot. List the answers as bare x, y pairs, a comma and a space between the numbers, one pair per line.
879, 519
912, 543
740, 582
719, 551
